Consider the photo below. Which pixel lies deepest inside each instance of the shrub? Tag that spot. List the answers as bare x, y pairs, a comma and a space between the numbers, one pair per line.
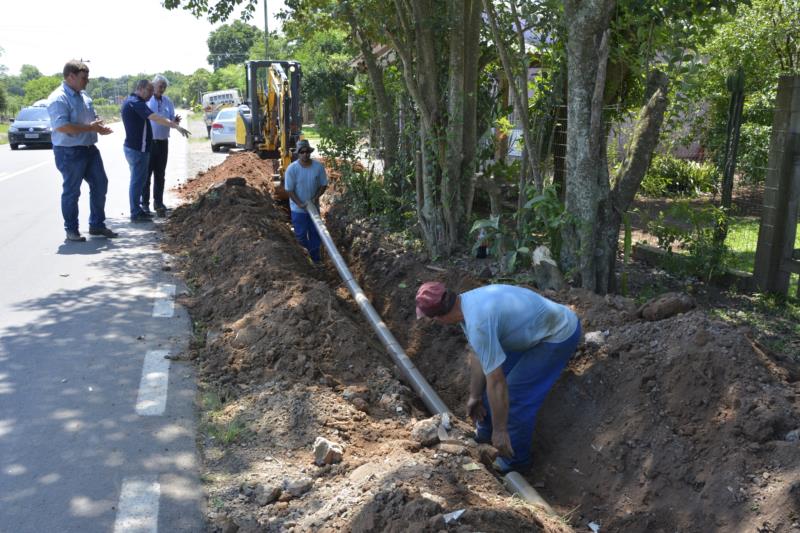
670, 176
753, 155
694, 233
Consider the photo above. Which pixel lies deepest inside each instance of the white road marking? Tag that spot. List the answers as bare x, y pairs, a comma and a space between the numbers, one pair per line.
24, 170
164, 306
137, 511
153, 387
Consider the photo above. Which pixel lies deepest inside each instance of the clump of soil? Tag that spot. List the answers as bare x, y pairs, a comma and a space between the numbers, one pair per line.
681, 424
285, 357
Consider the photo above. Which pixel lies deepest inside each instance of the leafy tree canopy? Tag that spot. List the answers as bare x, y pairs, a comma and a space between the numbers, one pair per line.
231, 43
40, 88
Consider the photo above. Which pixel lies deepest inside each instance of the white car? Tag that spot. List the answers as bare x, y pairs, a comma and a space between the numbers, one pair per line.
223, 129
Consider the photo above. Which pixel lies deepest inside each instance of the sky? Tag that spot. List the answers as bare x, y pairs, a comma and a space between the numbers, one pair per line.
114, 36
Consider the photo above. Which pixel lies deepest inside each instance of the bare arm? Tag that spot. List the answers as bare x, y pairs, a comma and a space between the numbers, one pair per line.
155, 117
296, 200
497, 390
96, 126
477, 384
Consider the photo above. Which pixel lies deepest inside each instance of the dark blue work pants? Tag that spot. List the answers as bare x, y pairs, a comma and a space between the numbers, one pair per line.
530, 375
306, 234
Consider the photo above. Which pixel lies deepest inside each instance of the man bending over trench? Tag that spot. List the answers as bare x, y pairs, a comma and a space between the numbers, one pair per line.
521, 342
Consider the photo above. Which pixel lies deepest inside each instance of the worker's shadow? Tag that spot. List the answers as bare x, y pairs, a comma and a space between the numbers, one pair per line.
92, 246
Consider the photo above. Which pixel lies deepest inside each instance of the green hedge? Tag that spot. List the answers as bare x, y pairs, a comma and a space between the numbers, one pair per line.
109, 112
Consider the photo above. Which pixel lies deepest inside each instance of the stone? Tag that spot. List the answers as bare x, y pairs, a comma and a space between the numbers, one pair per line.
793, 435
452, 449
426, 431
298, 487
360, 404
327, 452
595, 339
546, 274
267, 494
666, 305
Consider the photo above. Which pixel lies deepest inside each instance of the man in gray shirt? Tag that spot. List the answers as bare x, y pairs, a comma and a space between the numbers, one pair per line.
305, 182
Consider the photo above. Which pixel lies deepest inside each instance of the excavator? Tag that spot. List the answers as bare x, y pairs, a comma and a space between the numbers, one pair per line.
274, 123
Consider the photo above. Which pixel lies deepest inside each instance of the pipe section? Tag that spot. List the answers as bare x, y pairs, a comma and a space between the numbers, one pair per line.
413, 376
513, 481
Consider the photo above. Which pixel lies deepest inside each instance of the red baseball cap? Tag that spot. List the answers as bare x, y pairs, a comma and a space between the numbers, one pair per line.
431, 299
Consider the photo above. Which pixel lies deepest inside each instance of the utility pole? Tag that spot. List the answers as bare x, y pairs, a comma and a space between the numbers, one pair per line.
266, 30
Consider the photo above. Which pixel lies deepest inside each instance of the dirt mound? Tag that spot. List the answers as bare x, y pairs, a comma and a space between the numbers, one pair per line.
285, 358
672, 425
679, 424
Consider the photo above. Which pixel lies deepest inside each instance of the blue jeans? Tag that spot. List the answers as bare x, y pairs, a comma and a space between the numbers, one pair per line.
306, 234
530, 375
139, 162
76, 164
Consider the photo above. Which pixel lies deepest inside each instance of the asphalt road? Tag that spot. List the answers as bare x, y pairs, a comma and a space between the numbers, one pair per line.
85, 444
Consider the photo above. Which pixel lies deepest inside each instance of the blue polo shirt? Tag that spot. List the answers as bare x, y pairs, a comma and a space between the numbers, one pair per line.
66, 106
166, 109
138, 133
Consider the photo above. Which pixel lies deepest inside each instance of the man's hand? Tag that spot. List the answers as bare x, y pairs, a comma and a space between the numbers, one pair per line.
177, 119
183, 131
98, 126
475, 410
502, 441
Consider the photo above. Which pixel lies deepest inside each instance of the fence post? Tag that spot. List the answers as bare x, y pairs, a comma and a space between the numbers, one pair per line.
773, 262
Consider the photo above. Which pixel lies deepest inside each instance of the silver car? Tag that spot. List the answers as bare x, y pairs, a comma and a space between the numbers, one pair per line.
223, 129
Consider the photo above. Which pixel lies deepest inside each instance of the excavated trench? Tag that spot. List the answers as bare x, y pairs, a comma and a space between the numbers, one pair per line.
678, 424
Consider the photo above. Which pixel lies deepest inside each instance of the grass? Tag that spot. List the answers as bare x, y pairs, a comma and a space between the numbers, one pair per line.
3, 133
311, 134
214, 425
742, 241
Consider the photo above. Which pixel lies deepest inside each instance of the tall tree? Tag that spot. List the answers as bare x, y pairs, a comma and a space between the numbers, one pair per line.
439, 51
231, 43
638, 34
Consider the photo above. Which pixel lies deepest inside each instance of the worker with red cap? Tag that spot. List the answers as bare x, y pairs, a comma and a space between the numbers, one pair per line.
521, 343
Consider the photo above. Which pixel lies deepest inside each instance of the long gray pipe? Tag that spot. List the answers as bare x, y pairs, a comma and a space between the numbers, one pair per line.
515, 483
398, 355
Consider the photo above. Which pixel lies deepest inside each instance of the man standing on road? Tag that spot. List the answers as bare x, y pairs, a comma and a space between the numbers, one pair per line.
305, 182
75, 127
136, 117
521, 343
161, 104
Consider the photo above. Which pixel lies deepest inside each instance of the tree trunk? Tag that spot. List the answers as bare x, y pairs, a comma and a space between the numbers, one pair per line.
383, 103
629, 176
587, 174
445, 136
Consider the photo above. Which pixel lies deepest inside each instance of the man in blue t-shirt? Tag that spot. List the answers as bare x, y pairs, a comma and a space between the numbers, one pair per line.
305, 181
136, 117
521, 342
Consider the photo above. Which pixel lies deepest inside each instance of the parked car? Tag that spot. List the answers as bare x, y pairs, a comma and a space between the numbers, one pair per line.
31, 128
223, 129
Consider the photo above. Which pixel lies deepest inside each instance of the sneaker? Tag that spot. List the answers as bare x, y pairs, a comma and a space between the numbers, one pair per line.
141, 217
74, 236
161, 212
105, 232
146, 209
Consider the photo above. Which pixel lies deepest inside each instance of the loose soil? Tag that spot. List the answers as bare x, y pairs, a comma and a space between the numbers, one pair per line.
678, 424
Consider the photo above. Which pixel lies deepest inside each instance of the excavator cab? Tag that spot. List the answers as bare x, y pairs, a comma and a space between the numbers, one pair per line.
274, 124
